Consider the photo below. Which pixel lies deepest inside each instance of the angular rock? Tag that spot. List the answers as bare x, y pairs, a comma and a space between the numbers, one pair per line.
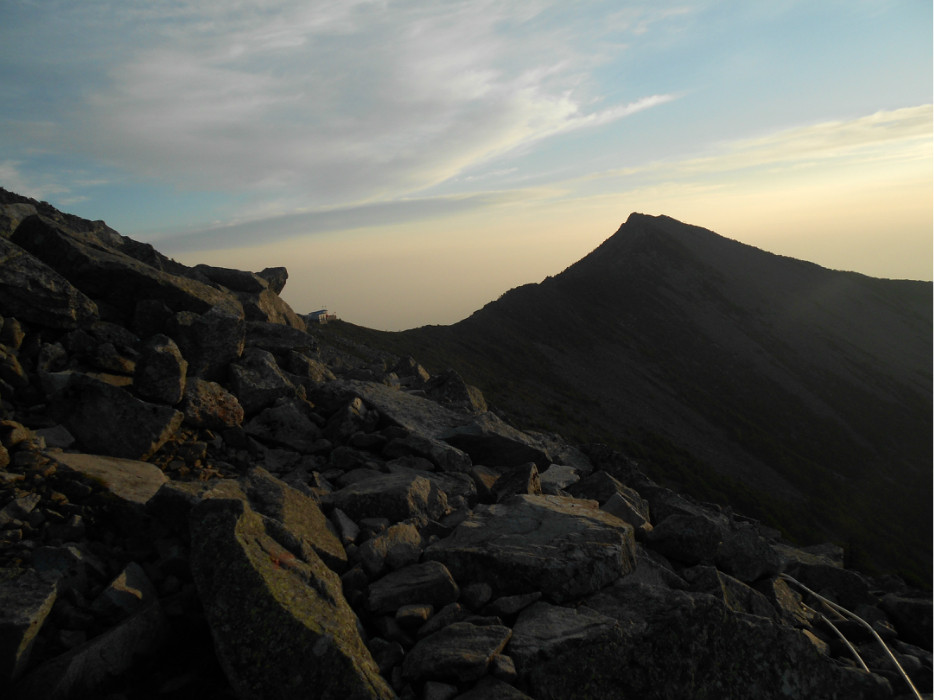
107, 420
563, 547
449, 389
26, 600
278, 339
268, 307
545, 630
275, 277
400, 545
32, 291
210, 340
428, 583
489, 440
557, 478
107, 273
628, 510
461, 651
285, 424
160, 371
911, 617
129, 592
281, 626
746, 555
393, 496
444, 456
298, 513
84, 671
235, 280
691, 539
675, 644
735, 595
308, 368
258, 382
130, 480
209, 405
523, 479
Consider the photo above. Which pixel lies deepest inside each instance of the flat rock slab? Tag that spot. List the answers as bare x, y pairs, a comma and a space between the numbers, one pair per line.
393, 496
544, 630
25, 603
133, 481
564, 547
429, 583
281, 626
460, 652
83, 671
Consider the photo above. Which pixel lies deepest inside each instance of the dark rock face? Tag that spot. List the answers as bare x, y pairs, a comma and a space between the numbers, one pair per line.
199, 497
268, 609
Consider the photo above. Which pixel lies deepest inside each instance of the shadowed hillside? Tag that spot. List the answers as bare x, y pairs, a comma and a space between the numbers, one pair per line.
798, 393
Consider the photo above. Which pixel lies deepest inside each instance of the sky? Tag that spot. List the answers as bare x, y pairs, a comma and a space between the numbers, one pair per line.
410, 161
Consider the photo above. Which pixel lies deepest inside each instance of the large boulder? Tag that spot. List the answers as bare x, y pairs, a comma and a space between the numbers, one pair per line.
257, 381
210, 340
108, 420
131, 481
564, 547
160, 371
397, 497
26, 600
675, 644
32, 291
460, 652
209, 405
103, 272
280, 624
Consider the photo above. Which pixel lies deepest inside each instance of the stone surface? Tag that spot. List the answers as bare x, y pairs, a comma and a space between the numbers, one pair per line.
210, 340
285, 424
430, 583
522, 479
84, 671
281, 626
461, 651
209, 405
297, 513
130, 480
160, 371
543, 630
107, 420
393, 496
690, 539
558, 477
258, 382
34, 292
26, 600
400, 545
563, 547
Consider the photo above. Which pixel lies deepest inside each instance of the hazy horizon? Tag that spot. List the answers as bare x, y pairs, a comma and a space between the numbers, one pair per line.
409, 162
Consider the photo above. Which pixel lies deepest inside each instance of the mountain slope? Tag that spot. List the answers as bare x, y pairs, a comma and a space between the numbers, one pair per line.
765, 382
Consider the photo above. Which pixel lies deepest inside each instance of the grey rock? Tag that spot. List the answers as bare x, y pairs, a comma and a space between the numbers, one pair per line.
280, 340
461, 651
73, 565
103, 272
209, 405
84, 671
129, 592
235, 280
26, 600
563, 547
281, 626
347, 529
449, 389
686, 538
56, 436
400, 545
258, 382
297, 513
32, 291
268, 307
523, 479
286, 424
746, 555
210, 340
160, 371
671, 643
557, 478
131, 481
911, 617
275, 277
429, 583
108, 420
397, 497
735, 594
543, 630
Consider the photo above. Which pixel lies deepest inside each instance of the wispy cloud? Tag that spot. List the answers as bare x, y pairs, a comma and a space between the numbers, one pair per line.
268, 229
334, 101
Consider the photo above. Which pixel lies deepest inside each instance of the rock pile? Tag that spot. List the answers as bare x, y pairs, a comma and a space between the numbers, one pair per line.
199, 498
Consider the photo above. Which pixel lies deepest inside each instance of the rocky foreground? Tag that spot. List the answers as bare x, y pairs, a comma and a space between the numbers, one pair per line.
200, 498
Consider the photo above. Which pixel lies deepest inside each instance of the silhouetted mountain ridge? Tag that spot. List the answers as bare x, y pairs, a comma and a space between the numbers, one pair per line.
764, 377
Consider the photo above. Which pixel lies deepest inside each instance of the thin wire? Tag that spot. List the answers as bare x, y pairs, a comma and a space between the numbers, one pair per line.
846, 613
